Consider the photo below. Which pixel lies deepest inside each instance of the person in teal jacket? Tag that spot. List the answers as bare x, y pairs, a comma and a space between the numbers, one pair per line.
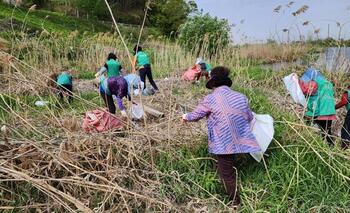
144, 67
112, 66
65, 85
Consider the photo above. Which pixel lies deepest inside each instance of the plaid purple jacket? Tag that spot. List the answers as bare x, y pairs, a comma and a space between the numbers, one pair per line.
229, 115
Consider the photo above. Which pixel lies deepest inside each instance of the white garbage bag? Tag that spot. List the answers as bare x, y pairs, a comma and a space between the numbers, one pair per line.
148, 91
136, 92
262, 128
41, 103
137, 111
292, 85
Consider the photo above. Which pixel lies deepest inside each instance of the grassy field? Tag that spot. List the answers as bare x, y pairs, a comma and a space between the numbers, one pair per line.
48, 163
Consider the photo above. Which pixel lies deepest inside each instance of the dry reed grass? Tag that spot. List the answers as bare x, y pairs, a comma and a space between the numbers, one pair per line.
272, 53
109, 172
114, 171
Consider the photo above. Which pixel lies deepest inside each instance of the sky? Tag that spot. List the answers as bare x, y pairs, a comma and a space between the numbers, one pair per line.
255, 21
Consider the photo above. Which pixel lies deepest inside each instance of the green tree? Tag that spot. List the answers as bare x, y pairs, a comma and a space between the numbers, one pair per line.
205, 32
169, 15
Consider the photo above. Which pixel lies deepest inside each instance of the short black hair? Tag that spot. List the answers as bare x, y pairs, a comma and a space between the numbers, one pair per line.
220, 76
137, 48
111, 56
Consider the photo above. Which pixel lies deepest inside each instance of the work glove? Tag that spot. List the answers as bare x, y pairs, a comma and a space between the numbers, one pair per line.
184, 119
123, 112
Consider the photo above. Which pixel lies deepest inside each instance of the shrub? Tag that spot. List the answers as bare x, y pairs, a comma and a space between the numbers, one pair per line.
203, 32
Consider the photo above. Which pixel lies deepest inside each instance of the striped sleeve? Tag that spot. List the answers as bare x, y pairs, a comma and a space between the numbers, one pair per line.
201, 111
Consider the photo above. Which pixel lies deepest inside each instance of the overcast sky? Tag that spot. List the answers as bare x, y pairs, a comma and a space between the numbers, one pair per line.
256, 22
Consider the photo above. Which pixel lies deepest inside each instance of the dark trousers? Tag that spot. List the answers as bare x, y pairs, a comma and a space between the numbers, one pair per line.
199, 75
228, 174
109, 102
66, 88
326, 128
146, 71
345, 132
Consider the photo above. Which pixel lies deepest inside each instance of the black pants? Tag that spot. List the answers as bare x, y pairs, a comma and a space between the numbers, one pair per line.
146, 71
66, 88
345, 132
326, 128
109, 102
228, 174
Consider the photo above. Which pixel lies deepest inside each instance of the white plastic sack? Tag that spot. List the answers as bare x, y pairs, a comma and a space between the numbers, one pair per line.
136, 92
137, 111
41, 103
262, 128
292, 85
148, 91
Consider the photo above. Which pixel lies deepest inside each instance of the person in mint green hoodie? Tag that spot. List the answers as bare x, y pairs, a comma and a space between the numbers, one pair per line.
320, 101
144, 67
65, 85
112, 66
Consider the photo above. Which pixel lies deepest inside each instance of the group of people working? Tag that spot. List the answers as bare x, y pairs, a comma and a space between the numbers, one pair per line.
228, 113
113, 81
321, 106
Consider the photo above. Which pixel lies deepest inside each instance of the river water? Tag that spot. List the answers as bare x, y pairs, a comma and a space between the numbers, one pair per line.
334, 59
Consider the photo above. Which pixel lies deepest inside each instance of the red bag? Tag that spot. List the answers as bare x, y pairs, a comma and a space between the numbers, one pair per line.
100, 121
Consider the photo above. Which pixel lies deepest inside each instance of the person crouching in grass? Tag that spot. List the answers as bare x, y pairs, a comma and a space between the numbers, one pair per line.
64, 84
229, 133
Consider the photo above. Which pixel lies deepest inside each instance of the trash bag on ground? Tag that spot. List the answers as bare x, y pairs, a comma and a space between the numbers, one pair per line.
148, 91
137, 111
101, 121
311, 74
41, 103
292, 85
263, 130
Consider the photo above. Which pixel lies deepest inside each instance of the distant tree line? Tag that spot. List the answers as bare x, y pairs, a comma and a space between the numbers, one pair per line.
166, 15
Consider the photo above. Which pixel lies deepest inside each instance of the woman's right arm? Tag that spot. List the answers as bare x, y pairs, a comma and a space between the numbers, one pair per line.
103, 69
344, 100
201, 111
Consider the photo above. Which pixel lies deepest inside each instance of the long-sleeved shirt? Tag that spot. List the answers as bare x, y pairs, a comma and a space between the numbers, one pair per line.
134, 82
343, 101
310, 88
115, 86
229, 118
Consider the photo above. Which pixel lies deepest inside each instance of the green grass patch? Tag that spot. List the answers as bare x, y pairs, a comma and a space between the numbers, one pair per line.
86, 75
300, 175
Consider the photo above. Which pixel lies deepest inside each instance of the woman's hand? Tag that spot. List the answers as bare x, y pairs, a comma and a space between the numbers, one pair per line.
184, 119
123, 112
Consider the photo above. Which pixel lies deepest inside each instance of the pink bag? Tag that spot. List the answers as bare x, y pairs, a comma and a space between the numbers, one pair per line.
190, 74
100, 121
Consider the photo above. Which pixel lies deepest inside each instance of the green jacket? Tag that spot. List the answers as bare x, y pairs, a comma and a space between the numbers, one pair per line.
322, 103
142, 59
348, 105
64, 79
114, 68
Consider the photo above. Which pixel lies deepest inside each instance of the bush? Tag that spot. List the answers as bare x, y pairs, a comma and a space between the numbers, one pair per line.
203, 32
169, 15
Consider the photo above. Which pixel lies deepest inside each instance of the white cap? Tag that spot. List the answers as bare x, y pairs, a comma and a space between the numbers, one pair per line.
199, 61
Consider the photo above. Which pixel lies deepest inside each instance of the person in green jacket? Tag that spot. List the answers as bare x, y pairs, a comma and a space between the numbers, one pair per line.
144, 67
320, 102
64, 82
112, 66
